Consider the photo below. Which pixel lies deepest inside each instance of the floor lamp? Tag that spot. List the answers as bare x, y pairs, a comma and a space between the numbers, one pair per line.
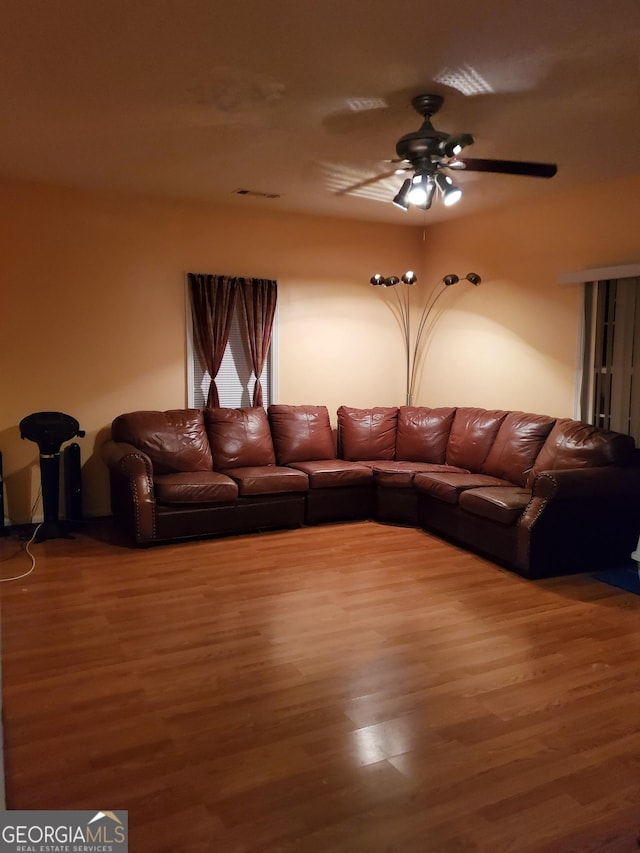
403, 314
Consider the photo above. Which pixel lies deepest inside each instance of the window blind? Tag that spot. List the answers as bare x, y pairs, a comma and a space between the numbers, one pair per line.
613, 348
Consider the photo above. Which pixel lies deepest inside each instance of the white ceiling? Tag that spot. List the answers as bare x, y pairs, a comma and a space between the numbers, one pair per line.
196, 98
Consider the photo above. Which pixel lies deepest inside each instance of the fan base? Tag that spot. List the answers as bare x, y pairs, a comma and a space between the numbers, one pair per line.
427, 105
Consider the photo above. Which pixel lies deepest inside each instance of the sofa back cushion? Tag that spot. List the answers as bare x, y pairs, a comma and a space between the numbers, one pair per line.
175, 440
473, 432
423, 433
516, 446
301, 433
367, 434
573, 444
239, 438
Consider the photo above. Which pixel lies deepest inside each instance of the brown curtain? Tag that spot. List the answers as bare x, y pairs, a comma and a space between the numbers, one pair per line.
259, 296
213, 299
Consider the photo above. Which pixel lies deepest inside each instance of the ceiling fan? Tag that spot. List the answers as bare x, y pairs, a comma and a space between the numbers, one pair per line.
429, 154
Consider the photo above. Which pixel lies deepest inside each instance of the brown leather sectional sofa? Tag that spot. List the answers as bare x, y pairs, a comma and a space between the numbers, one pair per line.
539, 495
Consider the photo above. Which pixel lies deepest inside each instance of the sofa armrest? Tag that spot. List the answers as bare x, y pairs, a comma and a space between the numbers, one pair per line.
132, 494
588, 483
581, 486
126, 458
580, 517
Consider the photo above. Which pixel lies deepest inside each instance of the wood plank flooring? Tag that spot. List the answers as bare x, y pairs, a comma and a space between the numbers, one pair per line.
355, 687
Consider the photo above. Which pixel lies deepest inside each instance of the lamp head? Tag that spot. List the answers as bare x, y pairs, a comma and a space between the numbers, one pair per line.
448, 190
376, 279
391, 281
473, 277
454, 144
421, 191
401, 200
409, 277
450, 279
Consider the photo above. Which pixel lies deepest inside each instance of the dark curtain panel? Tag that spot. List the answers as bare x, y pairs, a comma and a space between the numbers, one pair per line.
259, 296
213, 299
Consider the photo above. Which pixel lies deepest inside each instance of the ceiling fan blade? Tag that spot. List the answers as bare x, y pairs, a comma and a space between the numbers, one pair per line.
507, 167
367, 182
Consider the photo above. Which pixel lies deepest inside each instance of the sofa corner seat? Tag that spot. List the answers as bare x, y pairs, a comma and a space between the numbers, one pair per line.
339, 489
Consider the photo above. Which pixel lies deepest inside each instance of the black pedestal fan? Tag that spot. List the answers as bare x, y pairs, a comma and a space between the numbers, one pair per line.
50, 430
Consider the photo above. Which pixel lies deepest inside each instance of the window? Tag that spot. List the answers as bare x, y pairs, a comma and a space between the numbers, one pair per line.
235, 379
610, 396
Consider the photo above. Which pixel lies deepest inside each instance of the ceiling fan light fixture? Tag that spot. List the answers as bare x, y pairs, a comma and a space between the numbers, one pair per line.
409, 277
422, 190
450, 279
401, 199
454, 144
419, 192
473, 277
391, 281
452, 196
431, 188
376, 280
448, 190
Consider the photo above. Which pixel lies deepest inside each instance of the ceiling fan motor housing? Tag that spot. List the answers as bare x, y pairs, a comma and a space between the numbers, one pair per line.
425, 144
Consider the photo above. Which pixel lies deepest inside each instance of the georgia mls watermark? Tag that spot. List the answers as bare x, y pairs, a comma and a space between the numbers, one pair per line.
64, 832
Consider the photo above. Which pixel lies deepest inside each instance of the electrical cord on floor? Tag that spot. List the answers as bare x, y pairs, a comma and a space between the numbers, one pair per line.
33, 559
25, 547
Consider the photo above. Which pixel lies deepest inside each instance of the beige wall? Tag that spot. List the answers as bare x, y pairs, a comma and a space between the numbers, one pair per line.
513, 342
93, 309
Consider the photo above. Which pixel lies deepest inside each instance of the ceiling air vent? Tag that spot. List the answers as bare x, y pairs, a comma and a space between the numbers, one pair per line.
257, 194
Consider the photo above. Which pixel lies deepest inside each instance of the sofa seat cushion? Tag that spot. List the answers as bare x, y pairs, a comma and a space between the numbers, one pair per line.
268, 479
503, 504
400, 474
239, 438
175, 440
332, 473
367, 433
448, 487
195, 487
301, 433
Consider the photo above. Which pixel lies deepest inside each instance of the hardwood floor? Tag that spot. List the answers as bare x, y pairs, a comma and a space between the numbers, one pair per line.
353, 687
